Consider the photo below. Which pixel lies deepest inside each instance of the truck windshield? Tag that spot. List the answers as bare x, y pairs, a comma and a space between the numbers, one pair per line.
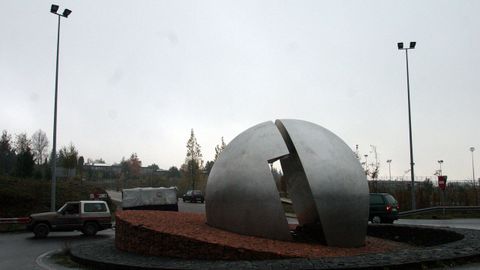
62, 208
70, 208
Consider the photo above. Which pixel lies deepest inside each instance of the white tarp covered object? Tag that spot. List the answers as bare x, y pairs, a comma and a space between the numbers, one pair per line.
149, 196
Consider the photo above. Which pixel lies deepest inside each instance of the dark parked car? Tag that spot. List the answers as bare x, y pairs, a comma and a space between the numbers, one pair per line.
383, 208
193, 196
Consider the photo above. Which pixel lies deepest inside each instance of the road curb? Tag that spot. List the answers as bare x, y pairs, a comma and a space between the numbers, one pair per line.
40, 260
45, 262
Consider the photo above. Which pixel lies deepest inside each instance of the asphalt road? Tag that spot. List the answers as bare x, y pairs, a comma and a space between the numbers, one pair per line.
20, 250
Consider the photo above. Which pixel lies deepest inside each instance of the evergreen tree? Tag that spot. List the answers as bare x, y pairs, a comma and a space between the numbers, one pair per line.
7, 155
209, 166
24, 161
80, 166
68, 157
173, 172
193, 161
134, 165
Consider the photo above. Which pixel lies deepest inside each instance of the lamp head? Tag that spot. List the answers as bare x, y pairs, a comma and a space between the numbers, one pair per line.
66, 12
412, 44
54, 9
400, 45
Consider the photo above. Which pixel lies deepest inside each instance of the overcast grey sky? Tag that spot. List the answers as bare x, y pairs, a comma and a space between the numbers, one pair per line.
136, 76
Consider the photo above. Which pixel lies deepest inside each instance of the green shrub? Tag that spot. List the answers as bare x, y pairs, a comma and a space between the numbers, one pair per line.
22, 197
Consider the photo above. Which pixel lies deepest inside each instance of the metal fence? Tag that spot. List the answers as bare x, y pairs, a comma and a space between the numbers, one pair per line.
19, 220
440, 208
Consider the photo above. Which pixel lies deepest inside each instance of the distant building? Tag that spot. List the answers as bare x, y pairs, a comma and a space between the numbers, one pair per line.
99, 170
101, 167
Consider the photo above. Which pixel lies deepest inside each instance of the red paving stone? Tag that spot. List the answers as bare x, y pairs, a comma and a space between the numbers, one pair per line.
186, 235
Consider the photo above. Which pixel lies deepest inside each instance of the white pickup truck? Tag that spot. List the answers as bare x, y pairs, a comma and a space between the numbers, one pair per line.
89, 217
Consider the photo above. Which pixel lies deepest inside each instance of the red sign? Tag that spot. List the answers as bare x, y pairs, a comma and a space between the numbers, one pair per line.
442, 182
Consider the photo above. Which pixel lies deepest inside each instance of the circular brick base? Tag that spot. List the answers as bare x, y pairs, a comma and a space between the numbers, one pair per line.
175, 238
104, 255
187, 236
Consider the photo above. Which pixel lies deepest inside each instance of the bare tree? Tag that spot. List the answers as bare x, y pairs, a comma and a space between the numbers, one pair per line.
375, 167
219, 149
39, 146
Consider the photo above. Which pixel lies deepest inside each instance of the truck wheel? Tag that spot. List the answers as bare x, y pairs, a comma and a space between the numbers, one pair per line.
90, 229
376, 219
41, 230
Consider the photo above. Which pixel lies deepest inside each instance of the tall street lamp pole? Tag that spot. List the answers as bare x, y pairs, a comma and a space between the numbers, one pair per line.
412, 173
389, 170
66, 12
440, 163
473, 176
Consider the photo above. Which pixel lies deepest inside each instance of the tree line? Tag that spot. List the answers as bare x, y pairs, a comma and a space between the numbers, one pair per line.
20, 154
427, 194
26, 157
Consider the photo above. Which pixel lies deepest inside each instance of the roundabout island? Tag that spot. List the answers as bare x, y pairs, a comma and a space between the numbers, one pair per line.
141, 243
244, 226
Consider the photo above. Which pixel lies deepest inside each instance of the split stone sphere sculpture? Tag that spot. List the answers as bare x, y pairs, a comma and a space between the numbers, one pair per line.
325, 181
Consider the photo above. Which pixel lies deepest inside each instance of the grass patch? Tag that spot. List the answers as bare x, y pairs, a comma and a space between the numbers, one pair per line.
22, 197
63, 257
65, 260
